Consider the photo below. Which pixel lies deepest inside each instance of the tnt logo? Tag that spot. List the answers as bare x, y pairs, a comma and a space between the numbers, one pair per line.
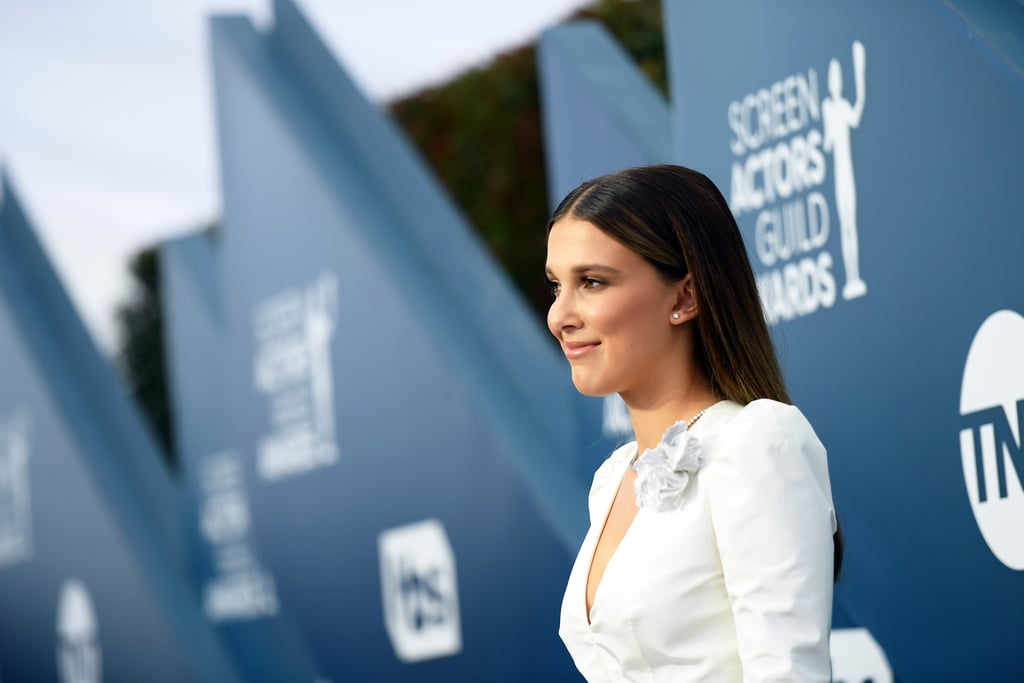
420, 591
857, 657
992, 416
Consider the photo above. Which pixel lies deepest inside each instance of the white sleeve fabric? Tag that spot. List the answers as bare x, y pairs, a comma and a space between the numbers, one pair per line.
773, 520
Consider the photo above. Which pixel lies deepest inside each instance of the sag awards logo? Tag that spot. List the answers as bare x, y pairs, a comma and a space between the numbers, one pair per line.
15, 492
420, 591
78, 644
292, 368
239, 587
991, 439
781, 136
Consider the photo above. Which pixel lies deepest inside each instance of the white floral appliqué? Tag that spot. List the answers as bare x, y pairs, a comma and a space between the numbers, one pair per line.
663, 472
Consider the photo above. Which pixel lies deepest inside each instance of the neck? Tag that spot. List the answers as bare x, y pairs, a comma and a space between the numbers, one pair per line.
655, 412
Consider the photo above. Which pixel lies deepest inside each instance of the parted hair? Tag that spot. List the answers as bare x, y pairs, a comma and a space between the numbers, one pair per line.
678, 220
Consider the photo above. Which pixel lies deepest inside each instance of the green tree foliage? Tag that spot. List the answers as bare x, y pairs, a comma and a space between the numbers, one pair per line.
140, 326
482, 135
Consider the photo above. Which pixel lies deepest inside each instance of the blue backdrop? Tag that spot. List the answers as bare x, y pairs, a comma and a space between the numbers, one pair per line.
384, 463
90, 576
403, 428
883, 144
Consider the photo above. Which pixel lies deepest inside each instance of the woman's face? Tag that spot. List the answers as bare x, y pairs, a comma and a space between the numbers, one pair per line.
612, 311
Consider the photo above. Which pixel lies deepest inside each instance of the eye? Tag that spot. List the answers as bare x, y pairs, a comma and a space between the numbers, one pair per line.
553, 287
591, 282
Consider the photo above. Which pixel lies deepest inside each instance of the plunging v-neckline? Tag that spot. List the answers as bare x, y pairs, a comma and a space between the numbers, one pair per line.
588, 609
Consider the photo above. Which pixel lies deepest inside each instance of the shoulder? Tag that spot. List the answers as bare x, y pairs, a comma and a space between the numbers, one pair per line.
770, 446
765, 426
760, 421
765, 418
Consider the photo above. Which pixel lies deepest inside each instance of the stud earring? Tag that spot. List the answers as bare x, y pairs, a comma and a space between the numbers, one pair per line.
675, 316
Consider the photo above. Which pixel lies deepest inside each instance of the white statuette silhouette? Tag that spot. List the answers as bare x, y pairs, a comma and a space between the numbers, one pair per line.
78, 646
839, 118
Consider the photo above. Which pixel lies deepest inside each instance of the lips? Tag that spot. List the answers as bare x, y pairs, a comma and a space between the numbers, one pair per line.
577, 350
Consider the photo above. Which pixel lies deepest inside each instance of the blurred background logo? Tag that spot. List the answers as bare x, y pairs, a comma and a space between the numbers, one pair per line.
991, 447
15, 490
79, 658
420, 592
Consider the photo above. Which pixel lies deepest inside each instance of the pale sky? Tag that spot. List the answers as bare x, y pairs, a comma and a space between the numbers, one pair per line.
106, 118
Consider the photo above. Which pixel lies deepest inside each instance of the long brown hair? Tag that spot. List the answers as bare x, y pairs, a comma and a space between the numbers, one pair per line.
678, 220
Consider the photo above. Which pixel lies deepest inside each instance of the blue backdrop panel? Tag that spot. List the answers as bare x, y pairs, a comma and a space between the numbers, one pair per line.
404, 422
89, 580
872, 157
600, 112
194, 321
235, 590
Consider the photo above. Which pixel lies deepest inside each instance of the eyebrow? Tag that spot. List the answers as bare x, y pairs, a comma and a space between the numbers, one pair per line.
588, 268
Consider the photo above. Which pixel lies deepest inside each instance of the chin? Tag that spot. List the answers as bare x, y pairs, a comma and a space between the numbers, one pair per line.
588, 387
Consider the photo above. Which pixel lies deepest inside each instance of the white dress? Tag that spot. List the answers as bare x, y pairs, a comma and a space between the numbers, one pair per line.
735, 584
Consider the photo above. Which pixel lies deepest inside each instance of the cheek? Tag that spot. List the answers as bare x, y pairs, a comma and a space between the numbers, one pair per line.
637, 327
627, 318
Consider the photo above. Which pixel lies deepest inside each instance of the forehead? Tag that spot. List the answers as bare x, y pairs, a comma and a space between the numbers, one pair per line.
572, 242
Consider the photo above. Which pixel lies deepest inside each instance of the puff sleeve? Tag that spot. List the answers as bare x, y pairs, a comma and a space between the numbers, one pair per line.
773, 520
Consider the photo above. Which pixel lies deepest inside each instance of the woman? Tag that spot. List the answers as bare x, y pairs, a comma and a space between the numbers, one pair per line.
711, 556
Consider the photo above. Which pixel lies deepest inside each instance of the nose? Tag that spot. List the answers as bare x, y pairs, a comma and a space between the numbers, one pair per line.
563, 316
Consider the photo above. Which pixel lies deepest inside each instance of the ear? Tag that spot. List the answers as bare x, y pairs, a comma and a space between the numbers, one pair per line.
685, 306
